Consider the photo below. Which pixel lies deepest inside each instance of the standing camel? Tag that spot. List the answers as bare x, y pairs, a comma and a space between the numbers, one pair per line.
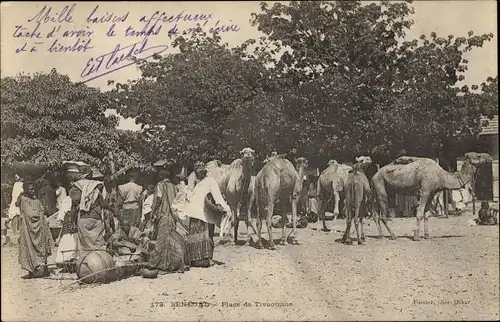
424, 177
357, 199
236, 184
278, 179
331, 183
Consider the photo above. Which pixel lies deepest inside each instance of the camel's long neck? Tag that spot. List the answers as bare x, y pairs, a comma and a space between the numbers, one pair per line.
246, 174
300, 172
246, 168
460, 179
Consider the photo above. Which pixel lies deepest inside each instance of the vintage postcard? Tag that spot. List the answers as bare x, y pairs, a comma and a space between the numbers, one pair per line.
249, 161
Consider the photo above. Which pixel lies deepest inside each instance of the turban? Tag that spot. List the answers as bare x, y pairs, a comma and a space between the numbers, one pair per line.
199, 165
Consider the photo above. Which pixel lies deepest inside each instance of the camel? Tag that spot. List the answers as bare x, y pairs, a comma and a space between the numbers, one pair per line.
278, 179
236, 183
357, 199
425, 177
331, 183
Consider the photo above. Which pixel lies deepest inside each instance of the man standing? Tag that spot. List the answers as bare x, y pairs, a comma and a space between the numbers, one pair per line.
130, 194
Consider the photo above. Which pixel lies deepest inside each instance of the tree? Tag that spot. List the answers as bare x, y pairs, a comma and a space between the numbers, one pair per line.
352, 80
46, 118
187, 101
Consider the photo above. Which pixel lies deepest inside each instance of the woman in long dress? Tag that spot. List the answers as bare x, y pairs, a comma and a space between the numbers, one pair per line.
87, 203
35, 239
202, 222
170, 252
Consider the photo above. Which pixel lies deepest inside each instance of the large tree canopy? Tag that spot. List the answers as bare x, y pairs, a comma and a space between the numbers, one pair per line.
188, 100
335, 79
365, 88
46, 118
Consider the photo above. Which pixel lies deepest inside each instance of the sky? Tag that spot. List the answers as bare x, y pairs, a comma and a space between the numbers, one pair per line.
26, 28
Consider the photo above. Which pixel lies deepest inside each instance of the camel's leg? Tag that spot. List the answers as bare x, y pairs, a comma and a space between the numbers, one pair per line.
383, 200
336, 196
258, 244
357, 199
270, 233
363, 238
426, 224
260, 214
346, 239
381, 213
376, 219
295, 240
384, 221
426, 227
284, 219
323, 201
251, 223
269, 215
366, 211
424, 197
236, 214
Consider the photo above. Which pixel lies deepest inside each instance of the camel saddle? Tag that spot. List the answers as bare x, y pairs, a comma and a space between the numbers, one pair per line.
404, 160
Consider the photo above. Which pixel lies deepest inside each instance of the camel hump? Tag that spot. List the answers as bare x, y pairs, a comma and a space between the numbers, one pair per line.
404, 160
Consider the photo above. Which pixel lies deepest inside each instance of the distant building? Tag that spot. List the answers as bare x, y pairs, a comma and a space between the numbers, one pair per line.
486, 187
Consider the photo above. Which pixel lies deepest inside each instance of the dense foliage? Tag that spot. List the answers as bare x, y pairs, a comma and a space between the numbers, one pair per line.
47, 119
335, 79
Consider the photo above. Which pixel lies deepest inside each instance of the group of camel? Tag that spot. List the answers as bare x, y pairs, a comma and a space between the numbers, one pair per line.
279, 180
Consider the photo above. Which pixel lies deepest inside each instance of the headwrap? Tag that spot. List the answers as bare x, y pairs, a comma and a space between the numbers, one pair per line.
96, 174
73, 168
199, 165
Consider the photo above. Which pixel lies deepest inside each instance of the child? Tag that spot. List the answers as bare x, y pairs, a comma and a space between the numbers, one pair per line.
35, 239
487, 216
5, 226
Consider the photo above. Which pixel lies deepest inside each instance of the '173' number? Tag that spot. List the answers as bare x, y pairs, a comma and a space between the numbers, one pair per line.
157, 304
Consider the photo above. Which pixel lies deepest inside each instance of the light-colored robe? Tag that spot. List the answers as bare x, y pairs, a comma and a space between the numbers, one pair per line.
196, 208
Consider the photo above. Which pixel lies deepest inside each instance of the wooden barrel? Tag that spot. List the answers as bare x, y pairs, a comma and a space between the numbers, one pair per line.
96, 266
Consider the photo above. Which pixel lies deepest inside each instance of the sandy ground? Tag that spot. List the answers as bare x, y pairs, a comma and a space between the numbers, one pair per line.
453, 276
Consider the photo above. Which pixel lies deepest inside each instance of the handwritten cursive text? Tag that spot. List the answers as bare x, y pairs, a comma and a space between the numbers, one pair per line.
45, 15
119, 58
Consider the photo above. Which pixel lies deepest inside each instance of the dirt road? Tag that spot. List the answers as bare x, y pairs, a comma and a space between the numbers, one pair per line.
454, 275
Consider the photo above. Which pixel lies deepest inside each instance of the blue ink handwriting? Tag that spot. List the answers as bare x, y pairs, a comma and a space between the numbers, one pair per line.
130, 32
22, 32
33, 49
107, 17
163, 17
78, 33
224, 28
45, 15
79, 46
119, 58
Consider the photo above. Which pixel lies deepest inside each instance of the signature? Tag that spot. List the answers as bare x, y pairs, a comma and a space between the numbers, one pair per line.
119, 58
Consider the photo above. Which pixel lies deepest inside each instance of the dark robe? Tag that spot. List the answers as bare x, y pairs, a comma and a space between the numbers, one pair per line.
47, 196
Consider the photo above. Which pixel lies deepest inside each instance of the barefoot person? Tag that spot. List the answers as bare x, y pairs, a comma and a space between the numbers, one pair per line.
35, 239
128, 239
130, 194
201, 222
87, 204
487, 216
170, 252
